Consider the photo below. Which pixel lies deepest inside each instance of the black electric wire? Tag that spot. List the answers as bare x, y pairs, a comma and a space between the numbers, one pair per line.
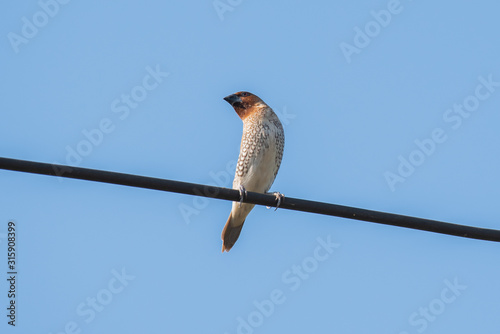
251, 197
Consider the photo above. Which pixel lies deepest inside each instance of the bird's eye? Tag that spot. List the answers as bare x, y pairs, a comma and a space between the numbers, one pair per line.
244, 94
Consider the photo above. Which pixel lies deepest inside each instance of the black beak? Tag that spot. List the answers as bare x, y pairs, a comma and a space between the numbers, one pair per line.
232, 99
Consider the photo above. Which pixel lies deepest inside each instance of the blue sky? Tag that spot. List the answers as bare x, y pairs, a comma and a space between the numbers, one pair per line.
387, 105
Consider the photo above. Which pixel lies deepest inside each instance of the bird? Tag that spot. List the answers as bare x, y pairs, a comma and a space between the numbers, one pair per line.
259, 160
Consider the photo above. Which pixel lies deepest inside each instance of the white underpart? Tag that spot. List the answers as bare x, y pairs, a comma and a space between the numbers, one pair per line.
260, 157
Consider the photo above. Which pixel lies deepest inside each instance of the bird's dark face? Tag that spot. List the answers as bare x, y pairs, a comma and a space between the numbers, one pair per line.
242, 102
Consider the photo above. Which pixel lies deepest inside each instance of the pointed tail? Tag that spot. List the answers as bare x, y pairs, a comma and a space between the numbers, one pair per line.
230, 234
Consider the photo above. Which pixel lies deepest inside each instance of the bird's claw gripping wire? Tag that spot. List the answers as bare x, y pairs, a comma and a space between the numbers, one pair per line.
279, 198
243, 194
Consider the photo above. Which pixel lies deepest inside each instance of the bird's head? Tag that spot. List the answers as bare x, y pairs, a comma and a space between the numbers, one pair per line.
244, 103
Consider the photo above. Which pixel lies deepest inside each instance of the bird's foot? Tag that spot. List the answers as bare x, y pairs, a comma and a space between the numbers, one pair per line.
279, 198
243, 194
